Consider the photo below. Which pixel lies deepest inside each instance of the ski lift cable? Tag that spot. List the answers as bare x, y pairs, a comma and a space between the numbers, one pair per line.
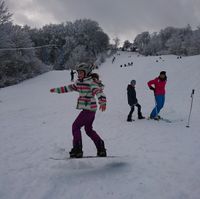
28, 48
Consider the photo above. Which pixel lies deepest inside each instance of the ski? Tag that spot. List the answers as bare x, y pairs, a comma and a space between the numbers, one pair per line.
171, 120
160, 118
166, 120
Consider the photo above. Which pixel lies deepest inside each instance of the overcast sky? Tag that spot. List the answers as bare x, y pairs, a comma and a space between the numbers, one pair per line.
118, 18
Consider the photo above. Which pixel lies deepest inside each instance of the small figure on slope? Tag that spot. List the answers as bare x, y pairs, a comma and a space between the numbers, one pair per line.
72, 75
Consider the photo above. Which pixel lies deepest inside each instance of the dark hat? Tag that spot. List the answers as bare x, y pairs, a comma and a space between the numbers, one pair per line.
163, 73
133, 82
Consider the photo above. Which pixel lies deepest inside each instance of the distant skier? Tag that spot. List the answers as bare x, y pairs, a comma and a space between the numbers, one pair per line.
113, 60
158, 86
87, 89
72, 75
132, 101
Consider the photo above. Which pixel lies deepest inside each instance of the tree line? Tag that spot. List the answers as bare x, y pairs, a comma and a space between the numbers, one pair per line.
171, 40
26, 52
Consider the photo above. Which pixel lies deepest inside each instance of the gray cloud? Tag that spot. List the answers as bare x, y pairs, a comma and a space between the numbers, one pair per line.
119, 18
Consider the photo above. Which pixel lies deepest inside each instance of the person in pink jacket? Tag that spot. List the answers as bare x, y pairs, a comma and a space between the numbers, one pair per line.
158, 86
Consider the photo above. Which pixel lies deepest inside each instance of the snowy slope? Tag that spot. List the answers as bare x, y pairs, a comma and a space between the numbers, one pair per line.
157, 160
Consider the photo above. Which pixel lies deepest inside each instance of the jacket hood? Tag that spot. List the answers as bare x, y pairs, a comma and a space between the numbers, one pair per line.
130, 87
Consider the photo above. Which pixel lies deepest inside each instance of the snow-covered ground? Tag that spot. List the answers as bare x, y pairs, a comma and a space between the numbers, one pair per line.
157, 160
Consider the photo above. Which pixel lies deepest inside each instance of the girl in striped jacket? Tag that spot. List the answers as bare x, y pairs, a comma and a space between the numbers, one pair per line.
88, 88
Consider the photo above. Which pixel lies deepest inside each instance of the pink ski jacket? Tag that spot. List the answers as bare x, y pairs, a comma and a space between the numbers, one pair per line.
159, 86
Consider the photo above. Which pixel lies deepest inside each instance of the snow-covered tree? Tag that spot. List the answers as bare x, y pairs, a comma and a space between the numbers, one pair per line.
116, 42
78, 55
5, 16
153, 46
179, 41
66, 37
194, 48
142, 40
16, 62
127, 44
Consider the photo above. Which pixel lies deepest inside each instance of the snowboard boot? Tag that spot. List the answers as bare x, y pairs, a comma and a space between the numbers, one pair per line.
101, 151
140, 117
155, 118
129, 119
76, 152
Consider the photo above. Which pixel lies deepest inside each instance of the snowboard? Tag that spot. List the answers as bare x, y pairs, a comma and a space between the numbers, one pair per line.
84, 157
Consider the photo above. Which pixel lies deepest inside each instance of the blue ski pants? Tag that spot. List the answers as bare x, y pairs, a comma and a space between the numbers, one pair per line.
159, 103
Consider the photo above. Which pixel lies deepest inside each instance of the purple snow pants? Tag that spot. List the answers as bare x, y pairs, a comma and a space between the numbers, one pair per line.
86, 119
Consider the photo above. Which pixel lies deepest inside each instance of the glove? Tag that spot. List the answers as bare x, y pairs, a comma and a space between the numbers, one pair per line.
152, 88
102, 107
52, 90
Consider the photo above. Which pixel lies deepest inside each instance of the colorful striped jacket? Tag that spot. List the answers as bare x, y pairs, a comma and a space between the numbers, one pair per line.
87, 89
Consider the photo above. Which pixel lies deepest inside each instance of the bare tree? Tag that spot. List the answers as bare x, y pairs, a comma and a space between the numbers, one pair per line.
116, 42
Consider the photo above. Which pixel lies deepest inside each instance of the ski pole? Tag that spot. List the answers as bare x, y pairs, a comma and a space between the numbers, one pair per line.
192, 94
